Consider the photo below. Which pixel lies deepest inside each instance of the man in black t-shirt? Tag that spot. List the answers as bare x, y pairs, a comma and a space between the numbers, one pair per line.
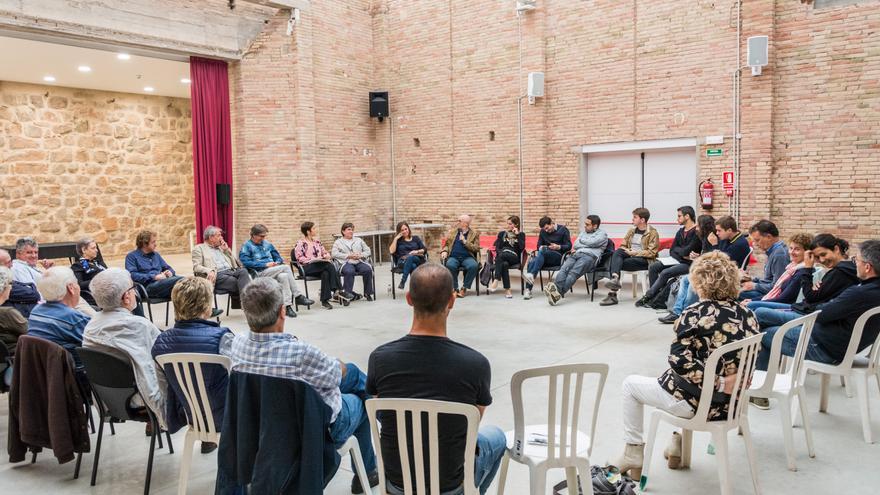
426, 364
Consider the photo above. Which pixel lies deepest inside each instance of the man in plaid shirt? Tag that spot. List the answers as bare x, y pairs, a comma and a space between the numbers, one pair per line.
268, 351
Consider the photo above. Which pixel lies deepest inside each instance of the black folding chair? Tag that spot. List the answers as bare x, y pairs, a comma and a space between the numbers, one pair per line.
395, 269
600, 271
550, 269
369, 261
145, 297
113, 384
298, 270
5, 364
461, 270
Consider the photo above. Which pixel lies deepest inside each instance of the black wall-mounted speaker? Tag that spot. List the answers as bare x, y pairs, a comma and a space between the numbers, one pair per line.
379, 104
223, 194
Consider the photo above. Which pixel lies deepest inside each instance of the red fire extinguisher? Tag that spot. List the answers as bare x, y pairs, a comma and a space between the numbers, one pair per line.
706, 188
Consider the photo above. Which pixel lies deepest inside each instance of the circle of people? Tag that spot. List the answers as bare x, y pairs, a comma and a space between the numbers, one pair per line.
711, 300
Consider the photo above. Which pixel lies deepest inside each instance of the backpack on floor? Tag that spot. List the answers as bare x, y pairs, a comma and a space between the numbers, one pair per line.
488, 270
602, 485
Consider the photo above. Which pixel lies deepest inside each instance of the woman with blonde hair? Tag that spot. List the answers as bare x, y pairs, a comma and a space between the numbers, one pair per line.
713, 321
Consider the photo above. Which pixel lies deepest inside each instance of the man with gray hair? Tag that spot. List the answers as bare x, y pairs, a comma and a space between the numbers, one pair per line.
23, 297
115, 330
260, 255
56, 320
268, 351
213, 259
462, 253
24, 268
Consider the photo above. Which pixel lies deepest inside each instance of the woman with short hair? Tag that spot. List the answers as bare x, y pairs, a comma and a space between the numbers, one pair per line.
786, 290
408, 251
352, 253
316, 261
88, 265
509, 246
12, 324
715, 320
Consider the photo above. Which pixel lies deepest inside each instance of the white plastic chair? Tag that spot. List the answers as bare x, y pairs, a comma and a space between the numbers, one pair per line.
788, 386
188, 372
745, 263
853, 368
748, 352
417, 408
353, 448
567, 447
638, 277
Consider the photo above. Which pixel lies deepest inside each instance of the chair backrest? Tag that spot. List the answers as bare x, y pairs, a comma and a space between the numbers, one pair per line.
853, 347
748, 258
566, 406
418, 408
797, 360
187, 369
112, 380
748, 352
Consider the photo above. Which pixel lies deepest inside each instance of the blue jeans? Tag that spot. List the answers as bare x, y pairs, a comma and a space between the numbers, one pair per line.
352, 418
543, 256
162, 288
685, 296
766, 304
789, 345
409, 264
491, 444
769, 317
751, 294
468, 264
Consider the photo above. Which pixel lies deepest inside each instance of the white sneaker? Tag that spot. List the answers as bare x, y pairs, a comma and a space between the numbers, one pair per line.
528, 294
530, 279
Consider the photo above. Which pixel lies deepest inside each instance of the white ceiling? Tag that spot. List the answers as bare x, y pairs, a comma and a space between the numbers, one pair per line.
30, 61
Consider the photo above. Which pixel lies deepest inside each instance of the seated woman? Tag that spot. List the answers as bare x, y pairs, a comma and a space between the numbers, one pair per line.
715, 320
12, 324
786, 290
88, 265
316, 261
193, 299
351, 253
509, 247
407, 250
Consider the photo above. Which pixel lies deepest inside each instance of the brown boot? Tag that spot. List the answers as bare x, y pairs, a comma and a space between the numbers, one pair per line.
631, 460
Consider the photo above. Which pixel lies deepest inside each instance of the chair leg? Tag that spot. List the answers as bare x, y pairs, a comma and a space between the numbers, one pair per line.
167, 309
502, 475
722, 453
354, 450
802, 403
188, 443
572, 478
156, 434
33, 457
649, 451
112, 428
79, 458
215, 306
823, 392
862, 392
538, 477
170, 445
750, 453
687, 448
785, 416
150, 310
228, 303
98, 447
541, 278
161, 445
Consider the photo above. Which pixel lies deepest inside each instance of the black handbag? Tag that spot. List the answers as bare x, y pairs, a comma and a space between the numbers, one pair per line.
488, 270
601, 484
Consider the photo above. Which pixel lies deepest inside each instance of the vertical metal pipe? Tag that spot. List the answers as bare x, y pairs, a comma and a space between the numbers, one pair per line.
522, 216
393, 174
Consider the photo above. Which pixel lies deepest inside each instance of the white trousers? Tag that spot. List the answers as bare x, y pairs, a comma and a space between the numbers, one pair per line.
641, 391
284, 276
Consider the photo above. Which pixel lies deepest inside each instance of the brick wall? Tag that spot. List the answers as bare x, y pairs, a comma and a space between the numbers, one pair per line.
80, 162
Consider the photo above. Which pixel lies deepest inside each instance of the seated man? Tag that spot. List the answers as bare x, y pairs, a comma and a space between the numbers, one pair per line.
214, 260
115, 330
464, 253
22, 297
765, 235
27, 257
426, 364
588, 249
193, 332
268, 351
553, 242
56, 320
640, 247
260, 255
835, 324
149, 269
687, 242
729, 240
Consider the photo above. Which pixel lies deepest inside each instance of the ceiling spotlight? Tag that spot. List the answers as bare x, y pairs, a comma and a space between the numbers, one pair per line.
149, 89
123, 56
185, 80
84, 68
49, 78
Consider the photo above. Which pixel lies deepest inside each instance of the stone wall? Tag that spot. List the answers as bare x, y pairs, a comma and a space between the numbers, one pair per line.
77, 163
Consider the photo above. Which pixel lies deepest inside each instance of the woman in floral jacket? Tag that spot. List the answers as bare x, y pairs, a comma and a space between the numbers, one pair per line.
316, 261
715, 320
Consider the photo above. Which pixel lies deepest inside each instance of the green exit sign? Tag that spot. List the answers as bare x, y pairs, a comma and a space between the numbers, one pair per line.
714, 152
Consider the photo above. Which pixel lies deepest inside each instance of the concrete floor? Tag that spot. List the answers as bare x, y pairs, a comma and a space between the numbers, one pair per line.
513, 334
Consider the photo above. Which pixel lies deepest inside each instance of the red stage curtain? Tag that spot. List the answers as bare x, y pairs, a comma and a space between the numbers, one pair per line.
212, 142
